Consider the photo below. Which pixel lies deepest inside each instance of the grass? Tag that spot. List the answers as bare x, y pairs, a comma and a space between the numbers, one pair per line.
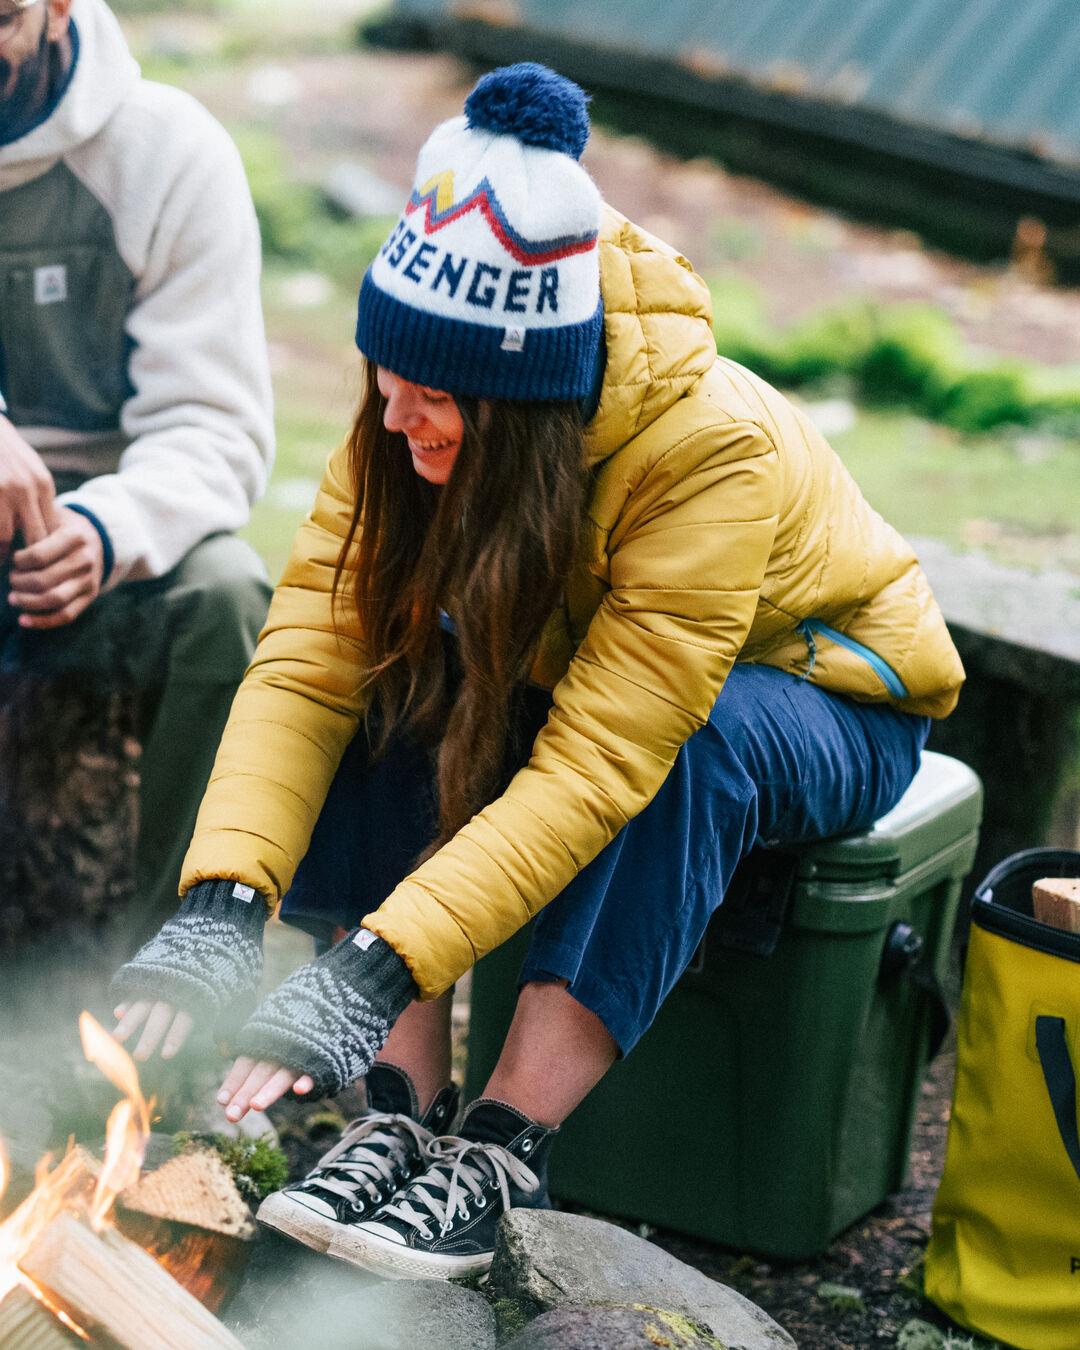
1013, 496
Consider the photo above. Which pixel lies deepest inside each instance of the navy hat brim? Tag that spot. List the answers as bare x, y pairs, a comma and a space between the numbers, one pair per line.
477, 360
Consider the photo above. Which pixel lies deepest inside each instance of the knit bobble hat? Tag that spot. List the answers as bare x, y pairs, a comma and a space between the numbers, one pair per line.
489, 284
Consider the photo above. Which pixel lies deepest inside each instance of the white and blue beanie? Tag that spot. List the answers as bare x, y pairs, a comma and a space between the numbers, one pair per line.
489, 284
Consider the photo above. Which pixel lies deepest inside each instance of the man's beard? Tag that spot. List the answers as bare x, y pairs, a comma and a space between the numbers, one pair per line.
34, 81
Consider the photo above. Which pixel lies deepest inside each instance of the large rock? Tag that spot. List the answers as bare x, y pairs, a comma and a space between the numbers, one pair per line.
612, 1329
546, 1260
292, 1296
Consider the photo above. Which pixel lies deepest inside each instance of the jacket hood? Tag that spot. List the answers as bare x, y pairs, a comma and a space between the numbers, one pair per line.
657, 330
103, 77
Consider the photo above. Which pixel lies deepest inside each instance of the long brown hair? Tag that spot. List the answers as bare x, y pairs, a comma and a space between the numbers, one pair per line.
492, 548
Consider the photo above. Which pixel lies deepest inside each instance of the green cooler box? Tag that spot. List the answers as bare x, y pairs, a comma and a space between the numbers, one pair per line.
770, 1105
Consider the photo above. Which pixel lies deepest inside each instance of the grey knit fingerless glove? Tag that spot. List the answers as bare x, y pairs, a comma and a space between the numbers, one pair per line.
207, 957
330, 1018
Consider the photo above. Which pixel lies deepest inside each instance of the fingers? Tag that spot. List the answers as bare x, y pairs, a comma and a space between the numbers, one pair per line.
26, 489
161, 1020
45, 551
54, 609
131, 1016
55, 579
177, 1034
157, 1024
255, 1086
274, 1088
236, 1075
256, 1078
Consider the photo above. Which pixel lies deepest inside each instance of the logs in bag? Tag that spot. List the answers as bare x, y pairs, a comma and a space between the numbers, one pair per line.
1004, 1254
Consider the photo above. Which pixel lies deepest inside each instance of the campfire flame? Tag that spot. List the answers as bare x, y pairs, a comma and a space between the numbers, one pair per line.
128, 1129
65, 1186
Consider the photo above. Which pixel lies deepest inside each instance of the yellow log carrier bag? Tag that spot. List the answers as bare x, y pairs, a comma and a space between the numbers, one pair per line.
1004, 1253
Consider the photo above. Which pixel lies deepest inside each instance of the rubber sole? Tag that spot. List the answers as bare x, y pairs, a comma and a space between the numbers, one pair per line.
404, 1263
298, 1222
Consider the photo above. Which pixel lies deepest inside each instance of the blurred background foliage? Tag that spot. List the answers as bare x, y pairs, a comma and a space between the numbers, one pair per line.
976, 447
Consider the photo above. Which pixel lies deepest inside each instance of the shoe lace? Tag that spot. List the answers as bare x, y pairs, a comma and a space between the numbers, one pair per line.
373, 1149
461, 1168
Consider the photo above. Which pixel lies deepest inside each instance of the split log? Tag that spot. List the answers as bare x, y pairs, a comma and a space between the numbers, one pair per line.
1056, 901
26, 1324
71, 1184
118, 1292
190, 1217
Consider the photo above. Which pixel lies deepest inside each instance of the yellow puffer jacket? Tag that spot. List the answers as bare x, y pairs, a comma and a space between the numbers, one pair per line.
720, 523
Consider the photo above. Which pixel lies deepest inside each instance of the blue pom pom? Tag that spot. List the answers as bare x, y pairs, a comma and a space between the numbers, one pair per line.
534, 104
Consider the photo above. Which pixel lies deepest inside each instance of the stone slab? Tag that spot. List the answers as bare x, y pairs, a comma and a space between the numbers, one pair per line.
549, 1260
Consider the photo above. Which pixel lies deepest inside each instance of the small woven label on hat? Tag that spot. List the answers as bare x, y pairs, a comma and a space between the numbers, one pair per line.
513, 340
364, 938
242, 892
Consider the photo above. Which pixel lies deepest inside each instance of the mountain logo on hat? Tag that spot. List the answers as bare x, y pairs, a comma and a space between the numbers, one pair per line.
489, 283
436, 200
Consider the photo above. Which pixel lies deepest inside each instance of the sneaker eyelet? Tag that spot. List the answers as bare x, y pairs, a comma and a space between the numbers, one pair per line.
481, 1202
526, 1145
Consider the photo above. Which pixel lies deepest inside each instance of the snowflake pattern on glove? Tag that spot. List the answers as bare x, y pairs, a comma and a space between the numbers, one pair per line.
207, 956
330, 1018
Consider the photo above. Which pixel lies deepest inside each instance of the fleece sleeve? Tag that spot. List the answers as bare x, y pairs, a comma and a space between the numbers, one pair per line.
199, 419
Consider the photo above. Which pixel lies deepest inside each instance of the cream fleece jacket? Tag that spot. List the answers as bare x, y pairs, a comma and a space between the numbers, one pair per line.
192, 442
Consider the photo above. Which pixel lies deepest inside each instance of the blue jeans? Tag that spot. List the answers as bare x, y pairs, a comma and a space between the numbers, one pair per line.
779, 761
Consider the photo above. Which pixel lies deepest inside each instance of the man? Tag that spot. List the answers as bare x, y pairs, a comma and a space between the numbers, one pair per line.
136, 421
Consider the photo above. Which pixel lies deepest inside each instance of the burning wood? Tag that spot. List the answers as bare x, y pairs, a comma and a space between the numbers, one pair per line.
26, 1322
189, 1215
67, 1276
117, 1292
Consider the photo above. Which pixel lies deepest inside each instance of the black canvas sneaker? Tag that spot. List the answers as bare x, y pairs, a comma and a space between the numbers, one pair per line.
442, 1225
377, 1155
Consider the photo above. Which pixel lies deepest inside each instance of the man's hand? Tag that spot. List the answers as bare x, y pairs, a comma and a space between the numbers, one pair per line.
55, 579
27, 494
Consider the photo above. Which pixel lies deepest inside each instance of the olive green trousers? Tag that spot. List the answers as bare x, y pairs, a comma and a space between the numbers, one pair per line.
181, 642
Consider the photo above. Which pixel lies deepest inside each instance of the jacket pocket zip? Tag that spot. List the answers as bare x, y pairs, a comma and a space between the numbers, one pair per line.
881, 668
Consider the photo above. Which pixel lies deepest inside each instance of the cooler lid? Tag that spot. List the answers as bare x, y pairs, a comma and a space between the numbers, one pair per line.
942, 806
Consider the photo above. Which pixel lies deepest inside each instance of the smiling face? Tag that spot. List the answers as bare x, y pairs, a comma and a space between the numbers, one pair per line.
430, 421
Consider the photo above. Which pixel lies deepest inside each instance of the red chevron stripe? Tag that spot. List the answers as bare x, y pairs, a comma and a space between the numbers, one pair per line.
480, 203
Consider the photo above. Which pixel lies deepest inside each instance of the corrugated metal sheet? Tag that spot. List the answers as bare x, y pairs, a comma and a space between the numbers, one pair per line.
1002, 72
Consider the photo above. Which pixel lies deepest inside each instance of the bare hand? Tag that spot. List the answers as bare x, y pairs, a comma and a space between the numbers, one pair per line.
161, 1019
27, 494
257, 1085
55, 579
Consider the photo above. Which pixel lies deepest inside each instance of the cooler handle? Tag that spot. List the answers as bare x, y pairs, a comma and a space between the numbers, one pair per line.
904, 955
1060, 1078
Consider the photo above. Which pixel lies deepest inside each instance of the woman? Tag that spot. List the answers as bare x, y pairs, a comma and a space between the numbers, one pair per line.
606, 609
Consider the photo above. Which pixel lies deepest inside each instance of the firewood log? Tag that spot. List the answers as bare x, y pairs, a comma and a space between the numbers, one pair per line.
189, 1215
1056, 901
118, 1292
26, 1324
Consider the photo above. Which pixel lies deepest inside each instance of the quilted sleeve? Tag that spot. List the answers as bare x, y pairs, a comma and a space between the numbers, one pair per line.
296, 711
